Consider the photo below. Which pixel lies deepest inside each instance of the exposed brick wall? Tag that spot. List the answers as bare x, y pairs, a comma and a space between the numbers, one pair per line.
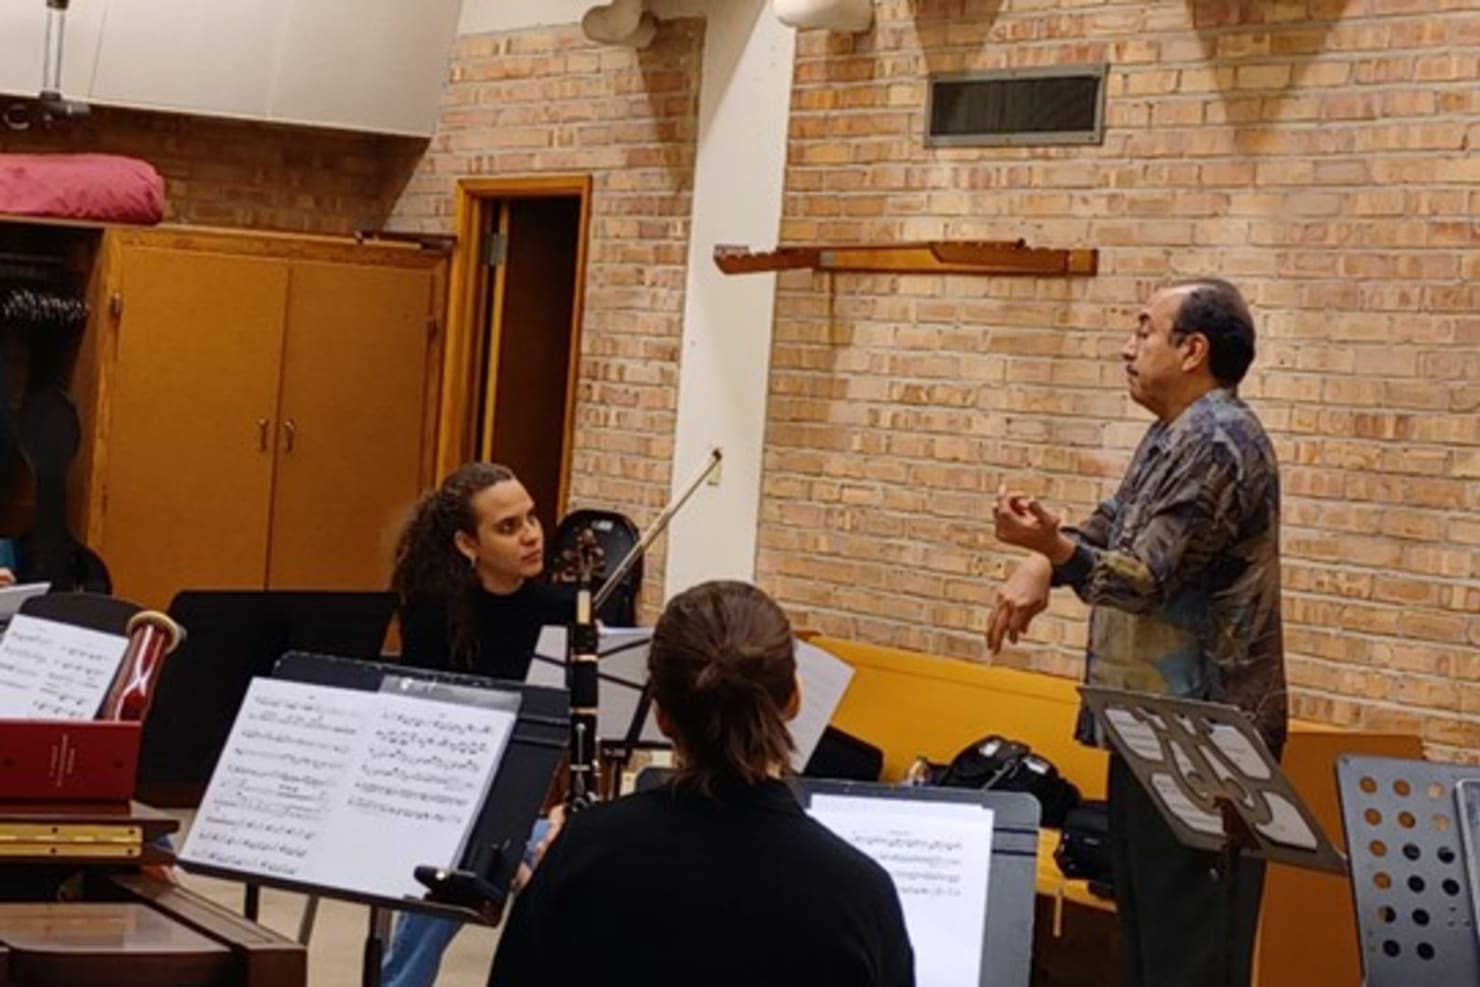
552, 102
244, 174
1319, 153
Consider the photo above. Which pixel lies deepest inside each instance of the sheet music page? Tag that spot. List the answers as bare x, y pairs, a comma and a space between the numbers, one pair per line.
55, 671
344, 788
414, 796
939, 856
11, 597
825, 678
624, 654
1137, 736
1184, 808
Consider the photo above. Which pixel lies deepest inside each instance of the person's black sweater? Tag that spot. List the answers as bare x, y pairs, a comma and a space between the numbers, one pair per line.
508, 628
672, 887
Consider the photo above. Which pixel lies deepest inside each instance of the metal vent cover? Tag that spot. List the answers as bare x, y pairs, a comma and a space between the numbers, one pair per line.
1053, 105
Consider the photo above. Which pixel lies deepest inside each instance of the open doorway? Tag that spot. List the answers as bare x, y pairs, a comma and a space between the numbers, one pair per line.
510, 386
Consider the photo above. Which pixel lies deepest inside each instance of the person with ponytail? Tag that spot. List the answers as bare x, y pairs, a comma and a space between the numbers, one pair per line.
718, 877
467, 570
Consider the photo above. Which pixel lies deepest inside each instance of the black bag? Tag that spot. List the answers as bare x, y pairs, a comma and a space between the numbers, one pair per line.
1011, 766
1084, 847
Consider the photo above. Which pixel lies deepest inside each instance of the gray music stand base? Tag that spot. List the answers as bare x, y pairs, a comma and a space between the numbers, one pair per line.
1415, 919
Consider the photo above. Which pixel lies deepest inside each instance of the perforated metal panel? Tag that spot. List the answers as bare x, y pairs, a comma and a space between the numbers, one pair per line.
1414, 913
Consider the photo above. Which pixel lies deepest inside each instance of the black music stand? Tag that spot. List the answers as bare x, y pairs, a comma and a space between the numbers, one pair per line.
233, 636
94, 611
497, 838
1215, 782
1411, 830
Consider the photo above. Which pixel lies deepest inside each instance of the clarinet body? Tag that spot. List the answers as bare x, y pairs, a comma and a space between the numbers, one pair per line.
582, 655
583, 652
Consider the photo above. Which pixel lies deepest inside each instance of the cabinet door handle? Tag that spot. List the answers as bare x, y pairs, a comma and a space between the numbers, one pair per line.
262, 424
290, 432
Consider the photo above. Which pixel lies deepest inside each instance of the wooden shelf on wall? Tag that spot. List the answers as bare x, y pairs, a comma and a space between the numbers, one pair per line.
980, 257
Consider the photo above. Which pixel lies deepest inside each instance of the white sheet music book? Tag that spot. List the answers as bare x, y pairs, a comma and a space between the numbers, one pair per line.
624, 654
11, 597
939, 855
55, 671
346, 789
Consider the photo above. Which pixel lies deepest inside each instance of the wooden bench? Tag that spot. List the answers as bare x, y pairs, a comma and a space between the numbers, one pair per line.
911, 704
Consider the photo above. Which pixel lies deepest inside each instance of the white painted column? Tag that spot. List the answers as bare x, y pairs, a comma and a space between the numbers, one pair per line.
724, 363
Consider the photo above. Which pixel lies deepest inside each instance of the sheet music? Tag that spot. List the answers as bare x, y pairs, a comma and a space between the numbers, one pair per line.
825, 678
939, 856
344, 788
1183, 808
11, 597
1236, 747
55, 671
622, 675
1137, 736
624, 655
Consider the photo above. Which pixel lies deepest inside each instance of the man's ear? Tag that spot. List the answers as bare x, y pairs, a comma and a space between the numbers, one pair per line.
1196, 351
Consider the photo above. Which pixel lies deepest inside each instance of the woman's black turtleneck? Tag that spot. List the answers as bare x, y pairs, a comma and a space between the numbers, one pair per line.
508, 628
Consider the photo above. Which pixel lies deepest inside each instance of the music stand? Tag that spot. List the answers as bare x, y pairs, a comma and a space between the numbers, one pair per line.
1410, 830
497, 837
1007, 941
233, 636
96, 612
1215, 783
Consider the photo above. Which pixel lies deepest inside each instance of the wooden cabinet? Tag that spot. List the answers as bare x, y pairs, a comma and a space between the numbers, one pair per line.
264, 410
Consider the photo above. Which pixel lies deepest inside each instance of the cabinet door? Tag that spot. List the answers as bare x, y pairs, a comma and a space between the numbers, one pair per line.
355, 371
188, 453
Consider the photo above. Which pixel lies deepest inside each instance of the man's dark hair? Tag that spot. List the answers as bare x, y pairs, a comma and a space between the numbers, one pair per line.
1215, 308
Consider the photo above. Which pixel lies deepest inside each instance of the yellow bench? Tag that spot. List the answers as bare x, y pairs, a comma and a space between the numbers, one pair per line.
911, 704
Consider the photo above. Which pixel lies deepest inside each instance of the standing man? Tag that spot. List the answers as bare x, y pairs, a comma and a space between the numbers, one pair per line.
1181, 569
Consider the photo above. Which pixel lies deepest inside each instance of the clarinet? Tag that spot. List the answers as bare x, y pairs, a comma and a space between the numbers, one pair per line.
582, 655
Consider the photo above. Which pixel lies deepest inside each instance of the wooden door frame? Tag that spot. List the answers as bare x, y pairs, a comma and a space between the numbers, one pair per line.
463, 355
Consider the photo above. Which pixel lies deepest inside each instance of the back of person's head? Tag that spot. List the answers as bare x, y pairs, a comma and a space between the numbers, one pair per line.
723, 667
1215, 308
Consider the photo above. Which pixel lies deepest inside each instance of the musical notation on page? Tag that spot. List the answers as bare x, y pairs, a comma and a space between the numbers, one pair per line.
50, 670
344, 788
939, 857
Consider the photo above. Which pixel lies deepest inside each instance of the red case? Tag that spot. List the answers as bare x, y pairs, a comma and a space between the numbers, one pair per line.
68, 760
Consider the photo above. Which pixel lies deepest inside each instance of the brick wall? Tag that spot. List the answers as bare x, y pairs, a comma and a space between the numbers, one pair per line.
551, 102
244, 174
1320, 153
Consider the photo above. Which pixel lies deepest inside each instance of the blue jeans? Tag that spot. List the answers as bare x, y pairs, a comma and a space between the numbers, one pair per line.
418, 942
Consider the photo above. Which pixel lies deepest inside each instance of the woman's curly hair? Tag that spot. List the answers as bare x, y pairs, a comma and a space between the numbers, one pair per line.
429, 570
